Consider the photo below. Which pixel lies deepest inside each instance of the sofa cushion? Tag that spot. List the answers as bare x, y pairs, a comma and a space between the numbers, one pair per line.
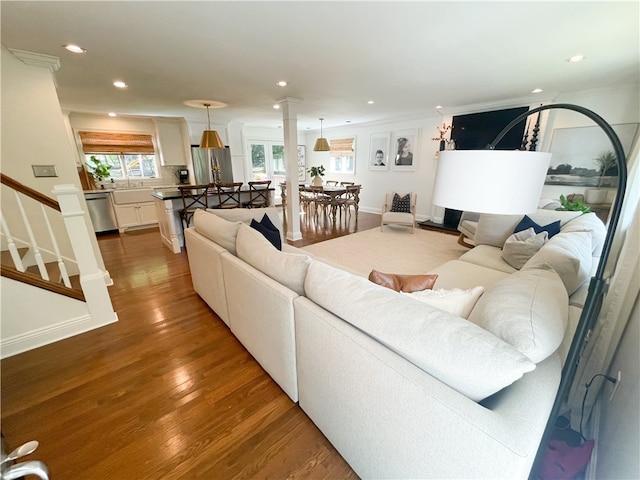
523, 245
487, 256
450, 348
245, 215
217, 229
588, 222
268, 231
570, 256
457, 301
552, 228
289, 269
401, 204
403, 283
495, 229
528, 310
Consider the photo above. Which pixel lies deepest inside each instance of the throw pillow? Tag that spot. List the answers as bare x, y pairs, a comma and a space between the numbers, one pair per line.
523, 245
403, 283
217, 229
289, 269
401, 204
569, 254
495, 229
269, 230
457, 301
529, 310
526, 223
460, 354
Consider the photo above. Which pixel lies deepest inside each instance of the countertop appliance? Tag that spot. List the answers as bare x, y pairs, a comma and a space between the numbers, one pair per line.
101, 211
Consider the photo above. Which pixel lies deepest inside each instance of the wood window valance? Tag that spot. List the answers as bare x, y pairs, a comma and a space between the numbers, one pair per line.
102, 142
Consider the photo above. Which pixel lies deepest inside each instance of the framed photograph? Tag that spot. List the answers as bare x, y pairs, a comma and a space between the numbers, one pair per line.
404, 151
584, 157
379, 152
302, 162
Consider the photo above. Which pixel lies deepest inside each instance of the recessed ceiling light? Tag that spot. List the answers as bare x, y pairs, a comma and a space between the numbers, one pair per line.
74, 48
281, 83
536, 90
112, 114
439, 106
119, 84
576, 58
277, 106
348, 121
371, 102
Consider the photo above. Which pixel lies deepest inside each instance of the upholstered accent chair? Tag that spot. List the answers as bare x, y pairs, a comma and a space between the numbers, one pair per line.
395, 211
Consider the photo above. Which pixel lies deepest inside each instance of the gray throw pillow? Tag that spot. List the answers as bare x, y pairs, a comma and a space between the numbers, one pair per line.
523, 245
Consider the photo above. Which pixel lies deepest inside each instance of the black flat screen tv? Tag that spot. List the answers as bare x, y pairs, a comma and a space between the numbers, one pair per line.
476, 130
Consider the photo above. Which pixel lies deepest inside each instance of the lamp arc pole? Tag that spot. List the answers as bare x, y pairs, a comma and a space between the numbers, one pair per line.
597, 285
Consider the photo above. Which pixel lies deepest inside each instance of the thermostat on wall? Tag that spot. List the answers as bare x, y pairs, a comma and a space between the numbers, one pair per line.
44, 170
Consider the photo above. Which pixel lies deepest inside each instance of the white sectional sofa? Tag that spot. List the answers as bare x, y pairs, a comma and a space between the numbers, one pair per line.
401, 388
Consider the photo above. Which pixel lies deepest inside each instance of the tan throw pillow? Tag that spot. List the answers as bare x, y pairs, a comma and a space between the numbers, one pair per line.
403, 283
221, 231
523, 245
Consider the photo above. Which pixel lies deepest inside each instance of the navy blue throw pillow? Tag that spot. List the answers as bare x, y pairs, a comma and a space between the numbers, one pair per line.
527, 223
268, 230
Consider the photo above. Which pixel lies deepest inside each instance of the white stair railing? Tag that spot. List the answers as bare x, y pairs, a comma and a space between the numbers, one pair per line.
11, 244
61, 265
32, 240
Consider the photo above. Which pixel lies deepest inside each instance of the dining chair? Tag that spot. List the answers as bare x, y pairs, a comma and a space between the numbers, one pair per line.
258, 194
319, 199
194, 197
283, 195
344, 184
228, 194
331, 183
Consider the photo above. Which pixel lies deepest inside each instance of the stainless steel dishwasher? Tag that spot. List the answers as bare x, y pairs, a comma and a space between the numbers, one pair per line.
101, 211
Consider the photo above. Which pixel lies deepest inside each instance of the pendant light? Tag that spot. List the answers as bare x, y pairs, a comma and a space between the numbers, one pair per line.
321, 143
210, 138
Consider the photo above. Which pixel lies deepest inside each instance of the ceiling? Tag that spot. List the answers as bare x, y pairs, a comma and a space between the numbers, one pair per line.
407, 57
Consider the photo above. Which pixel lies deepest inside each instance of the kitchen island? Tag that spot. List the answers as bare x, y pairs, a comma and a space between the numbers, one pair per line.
168, 204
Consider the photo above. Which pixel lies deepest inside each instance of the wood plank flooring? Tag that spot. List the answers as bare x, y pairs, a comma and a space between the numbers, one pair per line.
167, 392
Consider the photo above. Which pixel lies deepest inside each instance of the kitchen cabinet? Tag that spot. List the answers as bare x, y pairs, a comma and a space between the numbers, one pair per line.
135, 215
172, 137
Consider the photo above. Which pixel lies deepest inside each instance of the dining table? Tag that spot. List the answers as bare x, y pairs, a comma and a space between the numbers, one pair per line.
333, 192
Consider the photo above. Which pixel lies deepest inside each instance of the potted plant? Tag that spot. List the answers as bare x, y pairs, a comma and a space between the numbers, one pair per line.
316, 173
574, 203
99, 170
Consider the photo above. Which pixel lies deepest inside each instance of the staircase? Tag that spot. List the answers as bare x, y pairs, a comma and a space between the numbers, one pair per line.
47, 244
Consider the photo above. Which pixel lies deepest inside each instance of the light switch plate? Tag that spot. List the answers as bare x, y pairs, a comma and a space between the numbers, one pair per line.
44, 170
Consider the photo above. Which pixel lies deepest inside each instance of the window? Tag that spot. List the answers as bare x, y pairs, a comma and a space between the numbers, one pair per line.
130, 155
342, 157
267, 160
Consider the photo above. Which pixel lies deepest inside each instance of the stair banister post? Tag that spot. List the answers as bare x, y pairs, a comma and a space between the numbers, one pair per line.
92, 278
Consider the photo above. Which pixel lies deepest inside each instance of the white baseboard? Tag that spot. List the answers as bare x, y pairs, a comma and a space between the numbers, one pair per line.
50, 334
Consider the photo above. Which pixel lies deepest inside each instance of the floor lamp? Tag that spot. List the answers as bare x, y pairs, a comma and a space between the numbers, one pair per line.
461, 174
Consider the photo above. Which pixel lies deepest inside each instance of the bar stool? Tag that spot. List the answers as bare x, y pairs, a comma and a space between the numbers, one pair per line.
228, 194
258, 194
194, 197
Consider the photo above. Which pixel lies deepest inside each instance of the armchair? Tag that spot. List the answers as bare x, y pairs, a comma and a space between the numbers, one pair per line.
391, 217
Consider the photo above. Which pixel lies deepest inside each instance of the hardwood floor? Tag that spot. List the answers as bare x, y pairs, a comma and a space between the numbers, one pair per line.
167, 391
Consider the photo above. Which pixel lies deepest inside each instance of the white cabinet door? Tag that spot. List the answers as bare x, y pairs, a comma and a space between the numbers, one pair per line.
127, 216
147, 213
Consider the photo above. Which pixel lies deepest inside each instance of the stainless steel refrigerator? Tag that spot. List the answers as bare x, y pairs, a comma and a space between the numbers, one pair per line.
204, 160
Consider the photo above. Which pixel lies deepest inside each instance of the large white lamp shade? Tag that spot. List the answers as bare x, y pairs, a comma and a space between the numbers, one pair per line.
505, 182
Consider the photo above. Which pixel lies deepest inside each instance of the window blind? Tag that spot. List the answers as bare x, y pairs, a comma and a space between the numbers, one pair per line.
102, 142
341, 147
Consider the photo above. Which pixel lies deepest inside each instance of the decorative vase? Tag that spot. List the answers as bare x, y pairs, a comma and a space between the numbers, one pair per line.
317, 181
442, 145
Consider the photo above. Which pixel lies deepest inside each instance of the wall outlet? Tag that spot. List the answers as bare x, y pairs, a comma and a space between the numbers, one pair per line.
616, 385
44, 170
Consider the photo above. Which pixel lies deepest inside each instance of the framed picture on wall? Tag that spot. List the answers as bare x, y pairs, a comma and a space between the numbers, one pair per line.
404, 151
302, 162
379, 152
584, 157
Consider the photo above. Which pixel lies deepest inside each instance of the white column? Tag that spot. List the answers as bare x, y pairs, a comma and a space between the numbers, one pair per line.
289, 106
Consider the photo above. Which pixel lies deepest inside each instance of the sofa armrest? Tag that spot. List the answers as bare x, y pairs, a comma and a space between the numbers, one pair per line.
389, 419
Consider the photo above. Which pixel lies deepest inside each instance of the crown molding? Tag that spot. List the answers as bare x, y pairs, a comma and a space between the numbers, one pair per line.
37, 59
